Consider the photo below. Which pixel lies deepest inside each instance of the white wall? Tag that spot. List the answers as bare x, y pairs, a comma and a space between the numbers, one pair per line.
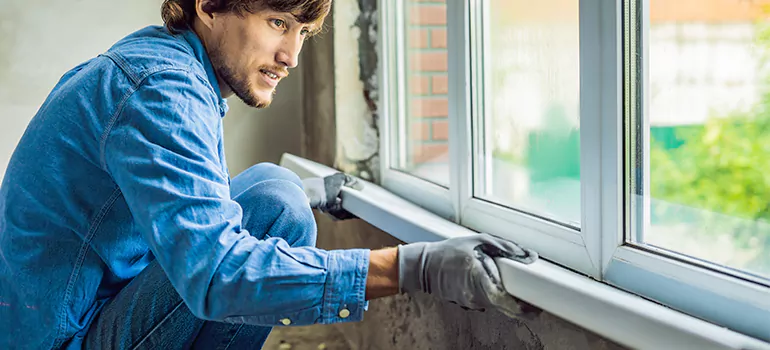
42, 39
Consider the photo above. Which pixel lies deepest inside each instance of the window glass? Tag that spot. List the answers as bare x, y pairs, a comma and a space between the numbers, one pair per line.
528, 142
423, 137
700, 138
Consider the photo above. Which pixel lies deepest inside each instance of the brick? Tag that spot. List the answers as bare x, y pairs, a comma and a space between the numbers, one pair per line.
440, 84
438, 38
418, 38
420, 131
424, 15
429, 61
423, 153
430, 107
440, 130
419, 85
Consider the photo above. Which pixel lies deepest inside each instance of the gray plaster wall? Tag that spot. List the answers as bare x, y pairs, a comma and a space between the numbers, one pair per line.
41, 39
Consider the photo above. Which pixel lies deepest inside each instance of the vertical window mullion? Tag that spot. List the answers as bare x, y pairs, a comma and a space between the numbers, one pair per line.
645, 113
591, 90
391, 84
637, 136
388, 103
611, 124
400, 49
460, 128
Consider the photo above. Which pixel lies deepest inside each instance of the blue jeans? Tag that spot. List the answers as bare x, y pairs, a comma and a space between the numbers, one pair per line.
149, 313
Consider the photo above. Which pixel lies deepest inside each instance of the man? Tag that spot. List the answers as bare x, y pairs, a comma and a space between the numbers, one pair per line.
121, 228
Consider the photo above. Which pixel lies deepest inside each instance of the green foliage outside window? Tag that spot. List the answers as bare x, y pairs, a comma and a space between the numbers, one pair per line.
722, 167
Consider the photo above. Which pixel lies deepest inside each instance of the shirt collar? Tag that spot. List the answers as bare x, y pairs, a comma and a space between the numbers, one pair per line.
200, 53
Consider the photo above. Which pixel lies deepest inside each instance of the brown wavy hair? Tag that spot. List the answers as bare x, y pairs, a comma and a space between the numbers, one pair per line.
178, 14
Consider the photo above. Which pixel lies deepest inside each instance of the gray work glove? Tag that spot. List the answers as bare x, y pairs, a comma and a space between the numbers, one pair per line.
323, 194
463, 271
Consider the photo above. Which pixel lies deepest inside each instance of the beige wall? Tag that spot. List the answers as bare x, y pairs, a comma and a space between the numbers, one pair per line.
42, 39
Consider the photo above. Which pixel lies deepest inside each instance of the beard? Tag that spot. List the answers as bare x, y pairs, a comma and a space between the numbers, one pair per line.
240, 85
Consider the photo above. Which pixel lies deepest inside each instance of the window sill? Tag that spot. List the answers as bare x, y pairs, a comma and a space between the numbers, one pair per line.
610, 312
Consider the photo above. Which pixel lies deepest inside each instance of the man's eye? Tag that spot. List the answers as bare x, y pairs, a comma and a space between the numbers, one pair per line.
279, 23
304, 31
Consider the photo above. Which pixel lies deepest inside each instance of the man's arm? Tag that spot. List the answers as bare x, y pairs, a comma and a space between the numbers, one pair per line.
162, 152
382, 280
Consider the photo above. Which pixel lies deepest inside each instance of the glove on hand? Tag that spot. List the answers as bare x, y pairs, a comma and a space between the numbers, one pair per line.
463, 271
323, 193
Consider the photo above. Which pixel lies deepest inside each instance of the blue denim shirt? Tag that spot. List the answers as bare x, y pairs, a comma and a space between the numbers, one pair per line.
123, 164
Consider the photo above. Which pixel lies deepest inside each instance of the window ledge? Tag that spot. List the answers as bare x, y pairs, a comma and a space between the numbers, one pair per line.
610, 312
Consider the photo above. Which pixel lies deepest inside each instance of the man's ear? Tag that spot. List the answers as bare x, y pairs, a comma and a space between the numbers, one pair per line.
205, 9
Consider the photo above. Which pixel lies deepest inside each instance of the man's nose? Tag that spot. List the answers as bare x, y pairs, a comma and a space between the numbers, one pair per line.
288, 55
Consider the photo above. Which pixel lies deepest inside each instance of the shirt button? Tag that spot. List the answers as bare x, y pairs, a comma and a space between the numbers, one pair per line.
286, 321
344, 313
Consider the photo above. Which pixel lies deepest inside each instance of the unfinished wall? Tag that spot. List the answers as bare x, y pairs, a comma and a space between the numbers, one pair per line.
422, 321
42, 39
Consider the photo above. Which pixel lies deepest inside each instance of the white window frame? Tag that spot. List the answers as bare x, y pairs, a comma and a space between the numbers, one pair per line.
567, 246
598, 249
393, 111
618, 315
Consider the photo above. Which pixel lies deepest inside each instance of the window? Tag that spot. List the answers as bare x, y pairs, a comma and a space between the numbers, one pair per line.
700, 143
422, 146
625, 140
528, 138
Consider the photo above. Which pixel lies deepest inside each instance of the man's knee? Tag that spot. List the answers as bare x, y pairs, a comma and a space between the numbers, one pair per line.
278, 208
258, 173
270, 171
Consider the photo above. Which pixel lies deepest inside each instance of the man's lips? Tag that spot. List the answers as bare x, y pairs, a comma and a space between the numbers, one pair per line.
272, 77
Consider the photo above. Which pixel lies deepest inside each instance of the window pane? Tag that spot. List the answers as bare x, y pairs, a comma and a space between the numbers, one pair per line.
424, 129
705, 133
529, 154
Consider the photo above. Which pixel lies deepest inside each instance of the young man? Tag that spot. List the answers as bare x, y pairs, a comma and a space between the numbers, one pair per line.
120, 226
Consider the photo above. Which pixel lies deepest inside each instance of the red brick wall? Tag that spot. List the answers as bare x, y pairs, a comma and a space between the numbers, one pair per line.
427, 86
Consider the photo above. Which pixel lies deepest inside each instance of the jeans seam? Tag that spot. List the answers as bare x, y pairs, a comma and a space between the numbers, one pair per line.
123, 65
233, 337
110, 124
59, 340
149, 333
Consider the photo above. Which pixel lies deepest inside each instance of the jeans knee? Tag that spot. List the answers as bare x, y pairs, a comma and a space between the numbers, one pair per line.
258, 173
279, 208
270, 171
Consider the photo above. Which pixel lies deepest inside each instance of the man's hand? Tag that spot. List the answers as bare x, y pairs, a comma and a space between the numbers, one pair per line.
463, 271
323, 193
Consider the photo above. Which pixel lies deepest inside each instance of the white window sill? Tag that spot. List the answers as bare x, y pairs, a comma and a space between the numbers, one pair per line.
610, 312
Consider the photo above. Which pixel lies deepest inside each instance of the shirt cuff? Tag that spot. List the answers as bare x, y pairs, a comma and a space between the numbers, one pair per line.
345, 287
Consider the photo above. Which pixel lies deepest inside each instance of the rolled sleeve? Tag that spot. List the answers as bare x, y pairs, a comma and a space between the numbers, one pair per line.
345, 289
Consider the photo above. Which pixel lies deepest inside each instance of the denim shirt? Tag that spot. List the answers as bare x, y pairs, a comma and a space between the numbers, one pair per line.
123, 164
